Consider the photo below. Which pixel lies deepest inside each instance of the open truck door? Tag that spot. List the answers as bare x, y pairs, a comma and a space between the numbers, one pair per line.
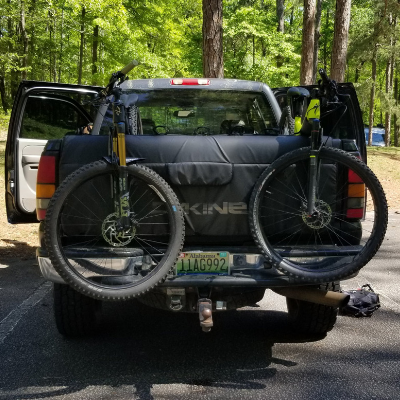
345, 123
41, 111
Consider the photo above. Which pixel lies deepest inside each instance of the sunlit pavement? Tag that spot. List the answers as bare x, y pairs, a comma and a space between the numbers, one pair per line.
142, 353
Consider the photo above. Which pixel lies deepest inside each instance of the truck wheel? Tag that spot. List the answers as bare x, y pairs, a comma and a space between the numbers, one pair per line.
87, 244
313, 318
76, 315
344, 232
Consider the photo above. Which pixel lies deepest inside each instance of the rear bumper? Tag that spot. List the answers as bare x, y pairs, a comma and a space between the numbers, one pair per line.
247, 270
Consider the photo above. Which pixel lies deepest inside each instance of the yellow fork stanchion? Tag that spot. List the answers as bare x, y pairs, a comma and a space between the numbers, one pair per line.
121, 149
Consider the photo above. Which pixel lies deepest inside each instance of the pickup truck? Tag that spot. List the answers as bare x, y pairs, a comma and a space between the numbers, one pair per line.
210, 139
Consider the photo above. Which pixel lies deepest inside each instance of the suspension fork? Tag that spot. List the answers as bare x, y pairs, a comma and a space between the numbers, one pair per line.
122, 192
314, 166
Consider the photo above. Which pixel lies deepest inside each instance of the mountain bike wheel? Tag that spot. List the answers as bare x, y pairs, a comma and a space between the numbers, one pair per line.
343, 234
88, 250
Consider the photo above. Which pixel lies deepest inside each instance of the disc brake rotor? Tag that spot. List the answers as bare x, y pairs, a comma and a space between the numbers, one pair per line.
321, 218
114, 237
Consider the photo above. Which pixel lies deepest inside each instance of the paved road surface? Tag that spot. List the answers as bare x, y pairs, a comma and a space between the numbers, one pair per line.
144, 354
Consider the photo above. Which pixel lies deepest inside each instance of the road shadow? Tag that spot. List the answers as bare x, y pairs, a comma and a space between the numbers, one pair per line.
139, 347
391, 156
14, 249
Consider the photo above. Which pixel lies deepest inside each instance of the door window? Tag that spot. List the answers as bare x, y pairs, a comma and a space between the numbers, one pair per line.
50, 118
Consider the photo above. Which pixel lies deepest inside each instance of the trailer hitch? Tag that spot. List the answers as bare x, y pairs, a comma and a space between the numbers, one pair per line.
205, 314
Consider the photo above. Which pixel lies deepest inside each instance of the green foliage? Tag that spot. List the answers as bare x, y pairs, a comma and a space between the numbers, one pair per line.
4, 120
253, 47
166, 36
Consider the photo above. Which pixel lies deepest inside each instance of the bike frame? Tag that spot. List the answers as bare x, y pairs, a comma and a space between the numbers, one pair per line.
118, 148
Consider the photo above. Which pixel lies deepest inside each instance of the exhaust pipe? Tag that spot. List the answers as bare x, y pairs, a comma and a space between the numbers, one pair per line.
314, 295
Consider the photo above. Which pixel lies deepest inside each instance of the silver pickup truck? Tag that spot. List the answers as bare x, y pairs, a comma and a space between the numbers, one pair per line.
210, 140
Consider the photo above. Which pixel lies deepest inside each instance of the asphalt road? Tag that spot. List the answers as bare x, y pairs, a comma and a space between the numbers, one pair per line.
142, 353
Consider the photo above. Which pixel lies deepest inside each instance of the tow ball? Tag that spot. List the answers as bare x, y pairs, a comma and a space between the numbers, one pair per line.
205, 314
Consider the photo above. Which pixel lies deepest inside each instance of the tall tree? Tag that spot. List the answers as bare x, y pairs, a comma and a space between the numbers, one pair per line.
81, 46
307, 44
280, 10
390, 67
3, 94
213, 61
340, 39
372, 95
25, 42
280, 14
396, 119
317, 35
95, 47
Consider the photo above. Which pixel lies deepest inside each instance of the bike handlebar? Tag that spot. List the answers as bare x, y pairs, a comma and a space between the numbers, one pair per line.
328, 87
129, 67
117, 75
324, 76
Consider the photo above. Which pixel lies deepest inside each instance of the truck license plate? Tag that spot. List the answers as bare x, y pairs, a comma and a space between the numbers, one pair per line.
203, 263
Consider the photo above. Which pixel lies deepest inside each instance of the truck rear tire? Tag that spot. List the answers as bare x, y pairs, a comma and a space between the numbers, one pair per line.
311, 318
76, 315
86, 244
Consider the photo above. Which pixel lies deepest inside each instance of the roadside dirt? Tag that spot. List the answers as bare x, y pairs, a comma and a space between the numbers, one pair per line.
21, 240
385, 162
15, 240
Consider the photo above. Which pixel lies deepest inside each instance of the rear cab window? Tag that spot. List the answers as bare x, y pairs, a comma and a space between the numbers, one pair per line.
198, 112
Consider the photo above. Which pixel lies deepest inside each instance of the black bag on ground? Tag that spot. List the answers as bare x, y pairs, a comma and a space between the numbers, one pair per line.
363, 302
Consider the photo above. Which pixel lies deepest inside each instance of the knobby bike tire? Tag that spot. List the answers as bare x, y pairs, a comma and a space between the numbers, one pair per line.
287, 121
337, 241
91, 254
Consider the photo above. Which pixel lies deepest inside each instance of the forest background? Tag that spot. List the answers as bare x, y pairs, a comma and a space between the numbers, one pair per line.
74, 42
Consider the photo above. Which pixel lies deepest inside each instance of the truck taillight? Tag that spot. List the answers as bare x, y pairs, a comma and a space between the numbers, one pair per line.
355, 196
190, 81
45, 185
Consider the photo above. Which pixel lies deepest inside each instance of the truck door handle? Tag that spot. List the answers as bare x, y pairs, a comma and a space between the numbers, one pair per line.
30, 159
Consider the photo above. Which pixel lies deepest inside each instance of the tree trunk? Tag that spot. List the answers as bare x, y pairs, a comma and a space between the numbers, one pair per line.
396, 87
213, 61
340, 39
95, 53
54, 70
25, 42
31, 42
388, 89
317, 35
80, 63
254, 51
307, 49
389, 79
60, 60
280, 9
50, 29
372, 97
396, 119
3, 95
14, 74
327, 19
